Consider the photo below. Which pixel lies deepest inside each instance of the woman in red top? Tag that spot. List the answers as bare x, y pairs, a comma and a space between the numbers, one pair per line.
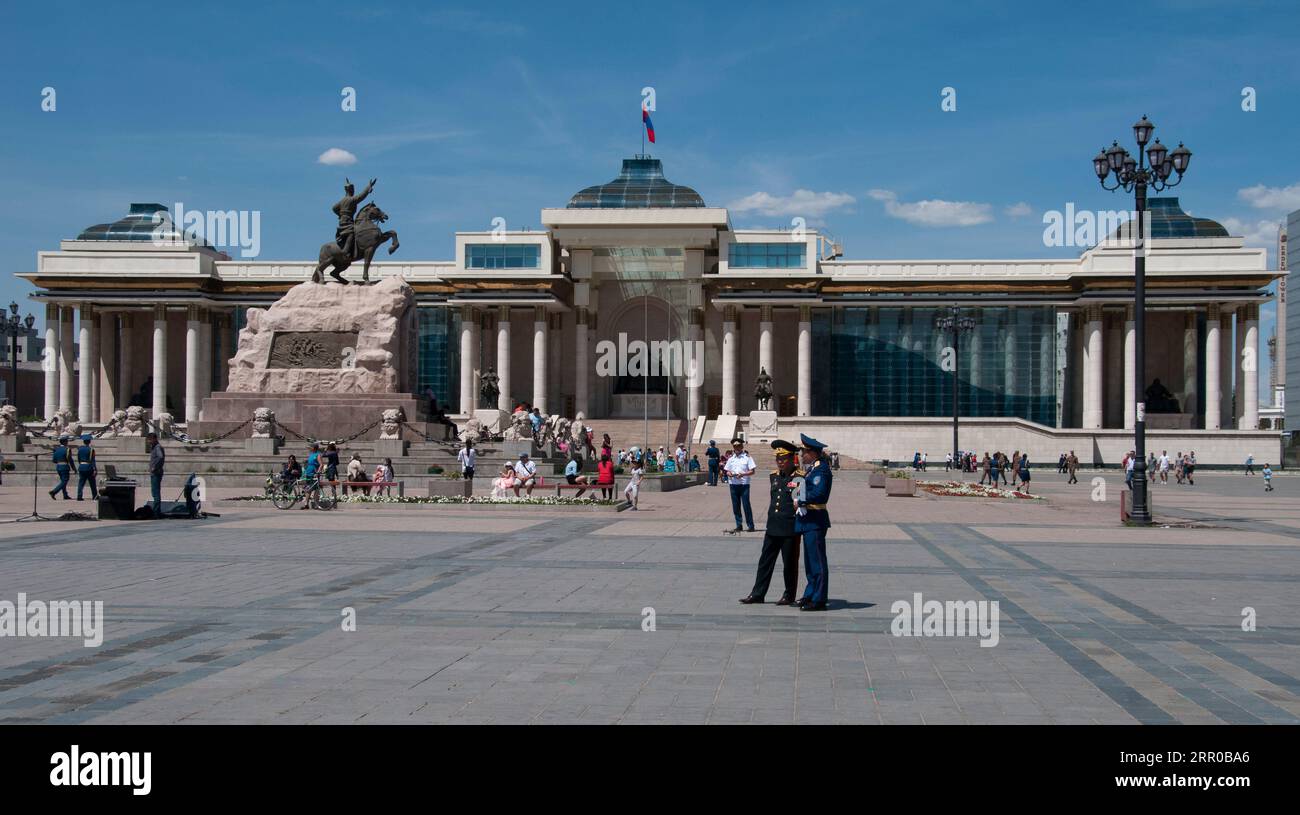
605, 476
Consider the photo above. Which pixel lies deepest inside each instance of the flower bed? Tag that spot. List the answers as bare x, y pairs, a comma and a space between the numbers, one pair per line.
450, 499
967, 490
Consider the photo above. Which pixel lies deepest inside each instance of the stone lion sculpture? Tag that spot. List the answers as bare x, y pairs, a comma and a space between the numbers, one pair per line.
63, 424
116, 424
263, 423
8, 421
520, 429
164, 423
134, 423
390, 425
472, 430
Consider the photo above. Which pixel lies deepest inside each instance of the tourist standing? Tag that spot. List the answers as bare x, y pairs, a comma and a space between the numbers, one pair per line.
1129, 462
157, 463
812, 521
714, 456
1267, 472
384, 475
739, 468
87, 469
947, 462
467, 457
681, 458
332, 466
779, 536
632, 491
62, 457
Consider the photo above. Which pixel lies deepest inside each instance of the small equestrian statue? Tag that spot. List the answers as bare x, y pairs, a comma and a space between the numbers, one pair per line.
763, 389
354, 239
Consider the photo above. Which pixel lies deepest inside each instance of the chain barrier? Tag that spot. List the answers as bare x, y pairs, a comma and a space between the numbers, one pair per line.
324, 442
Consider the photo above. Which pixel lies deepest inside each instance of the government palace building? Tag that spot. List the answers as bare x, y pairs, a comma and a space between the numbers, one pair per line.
851, 346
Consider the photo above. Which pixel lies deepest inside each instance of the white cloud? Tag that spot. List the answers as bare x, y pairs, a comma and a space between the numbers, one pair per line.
1262, 234
1261, 197
337, 157
934, 212
1018, 210
806, 203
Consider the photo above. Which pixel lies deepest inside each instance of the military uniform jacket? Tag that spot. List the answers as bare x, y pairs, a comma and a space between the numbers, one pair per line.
817, 492
786, 491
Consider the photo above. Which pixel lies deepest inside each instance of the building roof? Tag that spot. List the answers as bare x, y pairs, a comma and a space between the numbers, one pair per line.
140, 224
640, 184
1167, 220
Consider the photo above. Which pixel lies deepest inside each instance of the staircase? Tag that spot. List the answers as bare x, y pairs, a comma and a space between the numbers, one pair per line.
625, 433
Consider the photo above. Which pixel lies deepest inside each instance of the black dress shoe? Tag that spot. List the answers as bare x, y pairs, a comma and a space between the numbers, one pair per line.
751, 529
748, 599
785, 601
800, 603
734, 531
813, 607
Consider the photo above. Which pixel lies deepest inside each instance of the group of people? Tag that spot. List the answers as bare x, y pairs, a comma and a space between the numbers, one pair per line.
1267, 472
678, 461
65, 457
796, 514
1182, 466
324, 464
996, 467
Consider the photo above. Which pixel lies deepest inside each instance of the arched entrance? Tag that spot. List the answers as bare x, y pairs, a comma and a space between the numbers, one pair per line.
639, 360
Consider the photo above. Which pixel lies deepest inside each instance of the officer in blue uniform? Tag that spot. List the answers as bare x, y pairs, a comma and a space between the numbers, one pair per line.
63, 468
813, 520
786, 484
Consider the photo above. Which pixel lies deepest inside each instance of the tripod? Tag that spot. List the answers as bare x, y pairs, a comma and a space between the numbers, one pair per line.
36, 467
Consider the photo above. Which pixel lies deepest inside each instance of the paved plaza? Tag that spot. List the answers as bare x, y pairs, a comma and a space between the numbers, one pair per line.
535, 615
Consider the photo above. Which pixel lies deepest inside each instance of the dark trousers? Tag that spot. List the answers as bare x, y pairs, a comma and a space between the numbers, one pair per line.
155, 489
739, 501
788, 547
85, 477
468, 473
713, 474
815, 567
64, 472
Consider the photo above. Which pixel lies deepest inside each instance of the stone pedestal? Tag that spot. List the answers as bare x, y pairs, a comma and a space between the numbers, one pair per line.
11, 444
494, 420
261, 447
762, 427
132, 444
450, 488
513, 449
390, 448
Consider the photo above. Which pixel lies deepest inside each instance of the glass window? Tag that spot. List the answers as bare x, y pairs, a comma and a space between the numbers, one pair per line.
438, 361
503, 256
767, 255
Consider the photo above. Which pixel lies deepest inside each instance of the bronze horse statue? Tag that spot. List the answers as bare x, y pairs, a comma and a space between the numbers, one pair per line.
367, 237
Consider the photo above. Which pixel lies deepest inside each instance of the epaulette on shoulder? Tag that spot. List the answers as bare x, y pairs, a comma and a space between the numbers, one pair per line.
799, 473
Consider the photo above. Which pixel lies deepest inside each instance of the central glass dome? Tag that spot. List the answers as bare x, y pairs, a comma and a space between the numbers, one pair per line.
641, 184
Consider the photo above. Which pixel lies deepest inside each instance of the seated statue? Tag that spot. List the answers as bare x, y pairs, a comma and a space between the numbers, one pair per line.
1159, 399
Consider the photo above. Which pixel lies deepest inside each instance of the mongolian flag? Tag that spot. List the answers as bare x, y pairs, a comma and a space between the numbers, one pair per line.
649, 125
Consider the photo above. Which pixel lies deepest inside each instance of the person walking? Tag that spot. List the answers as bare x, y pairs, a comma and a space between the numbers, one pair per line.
62, 457
986, 468
1072, 466
467, 457
1250, 465
157, 463
812, 521
1162, 464
786, 483
1190, 467
1267, 472
947, 462
739, 468
87, 469
1024, 472
632, 491
713, 454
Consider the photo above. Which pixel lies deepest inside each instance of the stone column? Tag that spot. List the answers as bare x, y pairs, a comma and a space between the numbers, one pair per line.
1227, 417
159, 361
206, 352
220, 333
1092, 375
486, 342
765, 344
1213, 373
555, 364
109, 396
85, 365
580, 373
468, 360
1250, 369
126, 361
1130, 369
1190, 386
804, 407
694, 361
540, 360
192, 364
730, 340
503, 357
50, 360
67, 363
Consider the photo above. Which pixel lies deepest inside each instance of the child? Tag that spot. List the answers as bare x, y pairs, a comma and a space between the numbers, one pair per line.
633, 489
1267, 472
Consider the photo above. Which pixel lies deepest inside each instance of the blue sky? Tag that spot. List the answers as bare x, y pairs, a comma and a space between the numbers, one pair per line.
466, 114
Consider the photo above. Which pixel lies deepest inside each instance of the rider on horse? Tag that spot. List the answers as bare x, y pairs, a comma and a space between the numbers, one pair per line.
346, 209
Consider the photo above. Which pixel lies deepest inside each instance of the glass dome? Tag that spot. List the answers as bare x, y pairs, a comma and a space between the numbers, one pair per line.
641, 184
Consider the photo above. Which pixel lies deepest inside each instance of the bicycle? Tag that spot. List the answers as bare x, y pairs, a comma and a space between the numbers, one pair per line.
285, 494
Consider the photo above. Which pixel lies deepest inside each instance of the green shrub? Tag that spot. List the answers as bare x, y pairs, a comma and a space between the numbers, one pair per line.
434, 469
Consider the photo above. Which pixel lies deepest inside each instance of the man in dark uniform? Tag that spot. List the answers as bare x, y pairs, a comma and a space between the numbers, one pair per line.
787, 485
812, 520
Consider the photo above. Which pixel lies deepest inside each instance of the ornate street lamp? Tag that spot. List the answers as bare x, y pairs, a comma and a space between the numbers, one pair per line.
1135, 175
15, 328
951, 322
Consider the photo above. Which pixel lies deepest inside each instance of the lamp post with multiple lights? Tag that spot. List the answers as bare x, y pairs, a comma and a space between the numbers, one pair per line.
951, 322
1133, 175
15, 328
